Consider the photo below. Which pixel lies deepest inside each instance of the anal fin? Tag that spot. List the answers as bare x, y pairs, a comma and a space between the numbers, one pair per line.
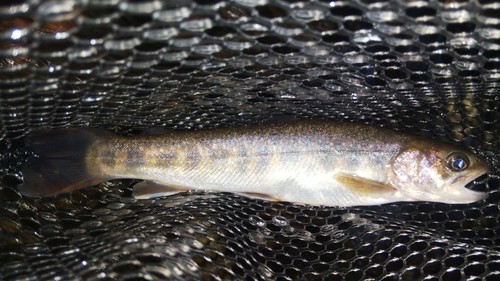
261, 196
362, 186
151, 189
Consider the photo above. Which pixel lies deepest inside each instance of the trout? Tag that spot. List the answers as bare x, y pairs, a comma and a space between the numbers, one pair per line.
311, 162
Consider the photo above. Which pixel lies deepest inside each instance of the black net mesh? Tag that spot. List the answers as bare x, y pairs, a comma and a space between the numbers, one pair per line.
428, 67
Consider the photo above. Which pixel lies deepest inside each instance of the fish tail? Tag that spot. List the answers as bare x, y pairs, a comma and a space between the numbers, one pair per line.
58, 162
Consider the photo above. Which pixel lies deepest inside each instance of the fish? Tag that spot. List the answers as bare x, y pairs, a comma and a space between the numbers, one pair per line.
312, 162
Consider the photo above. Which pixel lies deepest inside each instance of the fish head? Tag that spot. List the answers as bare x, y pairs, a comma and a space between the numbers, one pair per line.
425, 170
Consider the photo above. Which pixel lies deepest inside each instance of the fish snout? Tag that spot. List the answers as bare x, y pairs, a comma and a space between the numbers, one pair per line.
462, 195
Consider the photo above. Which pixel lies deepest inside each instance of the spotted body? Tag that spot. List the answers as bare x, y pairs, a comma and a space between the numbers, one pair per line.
314, 162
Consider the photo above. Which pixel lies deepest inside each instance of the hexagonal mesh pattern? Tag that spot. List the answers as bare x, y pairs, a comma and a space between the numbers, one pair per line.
432, 68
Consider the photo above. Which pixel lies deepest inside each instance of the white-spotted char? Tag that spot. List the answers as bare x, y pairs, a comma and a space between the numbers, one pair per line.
313, 162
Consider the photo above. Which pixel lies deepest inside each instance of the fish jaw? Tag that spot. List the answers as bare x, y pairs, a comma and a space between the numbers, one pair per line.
451, 193
456, 196
457, 193
463, 196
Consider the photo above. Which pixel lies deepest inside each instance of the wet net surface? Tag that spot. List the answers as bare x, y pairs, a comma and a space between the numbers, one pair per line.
431, 68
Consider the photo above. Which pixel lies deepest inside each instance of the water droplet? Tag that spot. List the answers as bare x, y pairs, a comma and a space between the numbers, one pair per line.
207, 49
143, 64
288, 229
337, 234
455, 15
185, 41
444, 71
425, 29
251, 3
265, 272
254, 29
334, 87
350, 216
401, 85
382, 16
240, 63
160, 33
297, 60
287, 29
307, 14
489, 33
304, 235
16, 34
197, 25
238, 45
328, 59
287, 85
494, 75
352, 59
469, 65
172, 15
317, 50
175, 56
390, 28
140, 7
328, 228
122, 44
270, 60
83, 52
213, 65
395, 41
266, 232
463, 42
279, 220
13, 9
366, 37
92, 99
489, 19
62, 10
258, 221
257, 237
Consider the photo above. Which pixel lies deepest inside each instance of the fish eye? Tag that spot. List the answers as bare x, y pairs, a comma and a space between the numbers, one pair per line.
458, 161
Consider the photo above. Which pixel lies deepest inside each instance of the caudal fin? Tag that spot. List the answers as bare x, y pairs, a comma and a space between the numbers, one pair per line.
58, 163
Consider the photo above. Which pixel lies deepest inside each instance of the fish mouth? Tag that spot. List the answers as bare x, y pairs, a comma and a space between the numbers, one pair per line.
459, 193
481, 178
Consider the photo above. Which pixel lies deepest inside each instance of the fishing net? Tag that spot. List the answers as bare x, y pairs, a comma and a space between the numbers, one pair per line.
427, 67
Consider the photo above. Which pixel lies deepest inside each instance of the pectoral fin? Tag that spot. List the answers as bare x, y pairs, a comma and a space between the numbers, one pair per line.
151, 189
363, 186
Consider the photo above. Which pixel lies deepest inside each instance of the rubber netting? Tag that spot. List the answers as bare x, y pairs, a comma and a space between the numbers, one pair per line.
428, 67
